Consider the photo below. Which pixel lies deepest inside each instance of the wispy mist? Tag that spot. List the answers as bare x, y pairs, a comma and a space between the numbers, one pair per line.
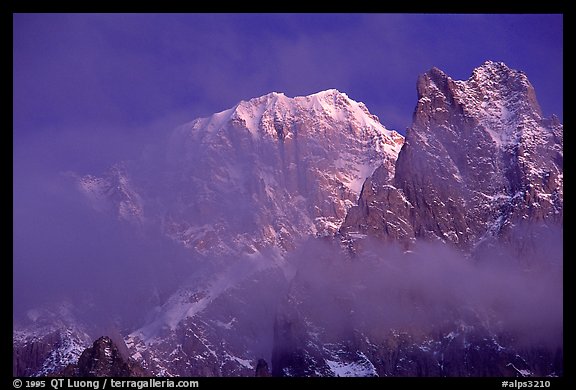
64, 249
431, 288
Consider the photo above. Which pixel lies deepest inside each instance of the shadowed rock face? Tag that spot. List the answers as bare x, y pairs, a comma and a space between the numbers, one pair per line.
29, 357
47, 342
104, 359
51, 346
478, 160
262, 369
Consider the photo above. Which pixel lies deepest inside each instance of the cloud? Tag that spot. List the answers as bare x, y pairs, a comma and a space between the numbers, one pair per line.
434, 287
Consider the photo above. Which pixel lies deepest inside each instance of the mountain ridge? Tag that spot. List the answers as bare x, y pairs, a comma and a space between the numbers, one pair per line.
263, 197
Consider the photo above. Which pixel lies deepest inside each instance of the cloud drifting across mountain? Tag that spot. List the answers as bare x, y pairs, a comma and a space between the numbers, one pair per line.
432, 287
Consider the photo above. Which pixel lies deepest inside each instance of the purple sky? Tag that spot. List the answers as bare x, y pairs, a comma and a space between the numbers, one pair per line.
90, 89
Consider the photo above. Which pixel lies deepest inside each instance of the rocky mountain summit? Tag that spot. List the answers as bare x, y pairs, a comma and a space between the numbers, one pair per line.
478, 160
104, 359
270, 171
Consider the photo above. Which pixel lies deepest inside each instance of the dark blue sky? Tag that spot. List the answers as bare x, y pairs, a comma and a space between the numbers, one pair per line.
92, 88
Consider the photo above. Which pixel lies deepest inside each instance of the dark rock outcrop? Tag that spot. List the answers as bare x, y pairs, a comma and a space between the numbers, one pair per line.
103, 359
262, 369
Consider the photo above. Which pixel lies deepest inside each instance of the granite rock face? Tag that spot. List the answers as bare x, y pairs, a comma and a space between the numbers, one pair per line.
104, 359
478, 160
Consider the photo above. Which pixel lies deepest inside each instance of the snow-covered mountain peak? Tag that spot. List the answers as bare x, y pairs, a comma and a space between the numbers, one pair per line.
503, 100
502, 82
497, 70
340, 107
499, 99
276, 147
262, 117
